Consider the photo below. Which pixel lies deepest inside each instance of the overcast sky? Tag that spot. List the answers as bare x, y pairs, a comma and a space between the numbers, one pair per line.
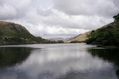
59, 18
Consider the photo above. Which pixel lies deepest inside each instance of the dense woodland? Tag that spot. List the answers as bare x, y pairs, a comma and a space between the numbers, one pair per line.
108, 35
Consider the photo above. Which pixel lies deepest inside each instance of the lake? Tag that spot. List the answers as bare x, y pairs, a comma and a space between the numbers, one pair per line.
58, 61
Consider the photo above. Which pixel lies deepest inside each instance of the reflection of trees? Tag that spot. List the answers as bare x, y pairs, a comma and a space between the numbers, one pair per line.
111, 55
10, 56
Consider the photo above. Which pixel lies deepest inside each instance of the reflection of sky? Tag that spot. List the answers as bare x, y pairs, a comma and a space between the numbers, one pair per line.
53, 61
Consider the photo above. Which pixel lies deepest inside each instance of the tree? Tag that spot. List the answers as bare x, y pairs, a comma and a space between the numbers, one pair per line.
116, 17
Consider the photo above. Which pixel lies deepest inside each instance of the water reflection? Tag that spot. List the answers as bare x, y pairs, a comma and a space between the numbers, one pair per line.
58, 61
111, 55
11, 56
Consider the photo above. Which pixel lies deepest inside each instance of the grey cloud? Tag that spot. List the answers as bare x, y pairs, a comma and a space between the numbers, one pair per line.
45, 17
87, 7
12, 9
78, 22
7, 11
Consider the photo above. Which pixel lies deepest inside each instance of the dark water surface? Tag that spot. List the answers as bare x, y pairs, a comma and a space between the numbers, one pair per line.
58, 61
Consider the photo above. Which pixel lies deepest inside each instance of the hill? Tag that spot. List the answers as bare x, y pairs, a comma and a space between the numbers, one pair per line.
11, 33
79, 38
108, 35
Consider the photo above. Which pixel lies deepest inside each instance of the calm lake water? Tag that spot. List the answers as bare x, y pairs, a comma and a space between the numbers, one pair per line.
58, 61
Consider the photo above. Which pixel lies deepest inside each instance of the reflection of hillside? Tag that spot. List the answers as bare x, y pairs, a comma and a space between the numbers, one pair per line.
111, 55
10, 56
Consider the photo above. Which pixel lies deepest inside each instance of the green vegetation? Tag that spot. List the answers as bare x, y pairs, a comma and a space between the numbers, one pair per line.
107, 35
75, 42
116, 17
11, 33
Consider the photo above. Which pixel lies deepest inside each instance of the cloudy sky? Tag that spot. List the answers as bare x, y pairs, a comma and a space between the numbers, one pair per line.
59, 18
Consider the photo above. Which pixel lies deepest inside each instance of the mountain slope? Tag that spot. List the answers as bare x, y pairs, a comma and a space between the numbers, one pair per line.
79, 38
107, 35
11, 33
